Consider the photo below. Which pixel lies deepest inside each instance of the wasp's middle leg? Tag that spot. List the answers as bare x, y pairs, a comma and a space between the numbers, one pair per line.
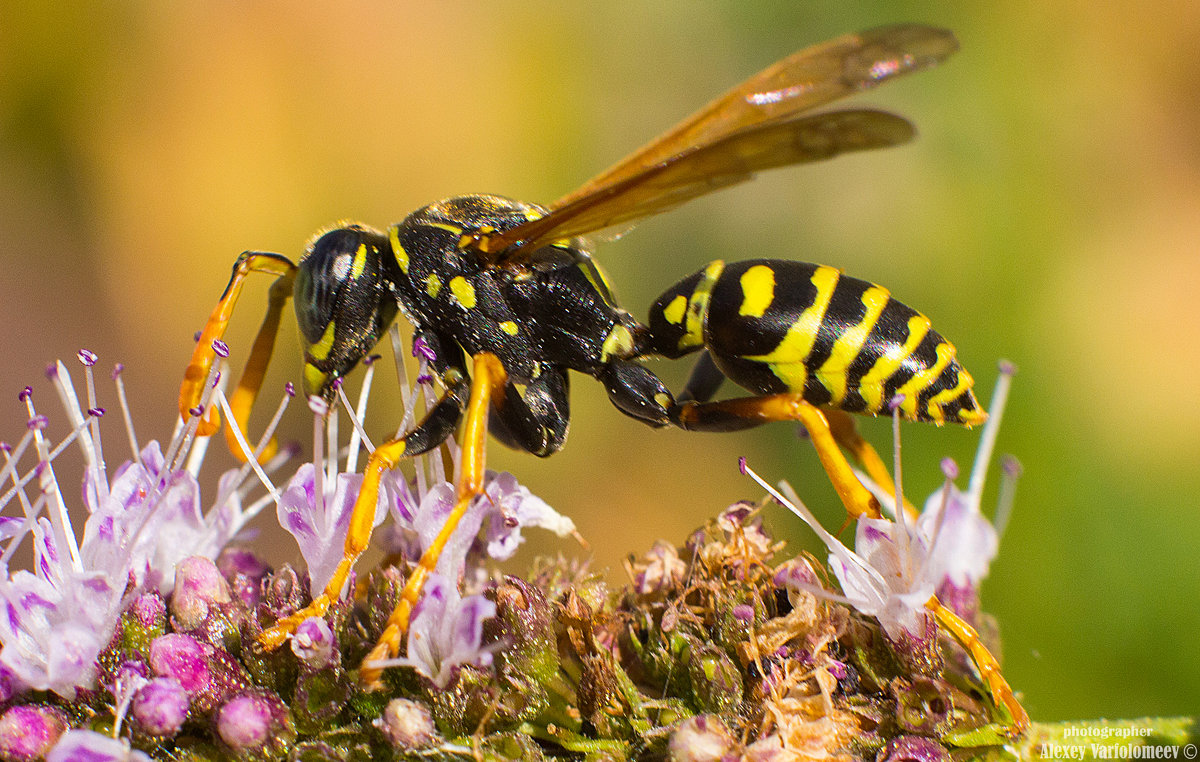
437, 425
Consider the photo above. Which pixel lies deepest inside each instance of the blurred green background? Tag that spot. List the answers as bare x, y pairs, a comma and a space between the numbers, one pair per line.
1049, 213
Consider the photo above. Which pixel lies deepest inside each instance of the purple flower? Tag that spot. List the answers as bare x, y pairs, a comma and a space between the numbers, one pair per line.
57, 620
962, 542
513, 507
502, 510
320, 527
141, 523
313, 643
885, 576
90, 746
446, 631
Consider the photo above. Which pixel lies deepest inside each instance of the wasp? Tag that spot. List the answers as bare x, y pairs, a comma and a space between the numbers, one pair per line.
507, 298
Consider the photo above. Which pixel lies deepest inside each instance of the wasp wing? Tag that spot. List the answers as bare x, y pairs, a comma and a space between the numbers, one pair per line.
741, 132
704, 169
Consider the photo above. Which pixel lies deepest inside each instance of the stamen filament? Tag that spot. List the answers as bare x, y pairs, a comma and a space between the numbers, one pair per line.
991, 429
241, 440
60, 520
127, 416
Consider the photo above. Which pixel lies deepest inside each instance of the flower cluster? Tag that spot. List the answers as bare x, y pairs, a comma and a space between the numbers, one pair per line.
134, 638
144, 563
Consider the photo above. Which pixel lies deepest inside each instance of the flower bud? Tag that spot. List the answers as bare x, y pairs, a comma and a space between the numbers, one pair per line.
199, 586
702, 738
244, 723
160, 707
407, 724
183, 658
28, 732
716, 680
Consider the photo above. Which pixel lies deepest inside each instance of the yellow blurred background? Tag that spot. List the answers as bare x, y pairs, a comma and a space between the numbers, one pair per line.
1049, 213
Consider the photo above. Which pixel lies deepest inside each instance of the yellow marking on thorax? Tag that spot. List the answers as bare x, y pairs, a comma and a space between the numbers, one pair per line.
870, 386
848, 346
697, 312
595, 276
360, 262
452, 229
463, 291
320, 350
922, 379
509, 327
787, 358
619, 342
397, 250
433, 285
758, 291
314, 379
673, 313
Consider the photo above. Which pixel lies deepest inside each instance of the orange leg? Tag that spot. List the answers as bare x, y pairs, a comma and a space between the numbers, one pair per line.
841, 425
204, 355
989, 668
720, 416
487, 380
241, 402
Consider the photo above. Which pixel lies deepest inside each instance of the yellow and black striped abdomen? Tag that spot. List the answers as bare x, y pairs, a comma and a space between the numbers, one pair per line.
779, 326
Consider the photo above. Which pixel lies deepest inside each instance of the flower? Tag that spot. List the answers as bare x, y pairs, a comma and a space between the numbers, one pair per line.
896, 567
885, 576
446, 632
90, 746
320, 527
140, 524
314, 643
419, 507
962, 541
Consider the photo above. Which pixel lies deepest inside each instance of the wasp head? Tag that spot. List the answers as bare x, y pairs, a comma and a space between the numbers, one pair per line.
343, 303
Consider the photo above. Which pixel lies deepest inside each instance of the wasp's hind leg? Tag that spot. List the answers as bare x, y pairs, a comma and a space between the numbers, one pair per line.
695, 412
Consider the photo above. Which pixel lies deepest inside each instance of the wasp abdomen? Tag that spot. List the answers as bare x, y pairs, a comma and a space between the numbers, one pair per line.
779, 326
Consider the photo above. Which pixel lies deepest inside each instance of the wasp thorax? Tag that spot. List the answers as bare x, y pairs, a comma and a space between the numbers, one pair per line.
342, 301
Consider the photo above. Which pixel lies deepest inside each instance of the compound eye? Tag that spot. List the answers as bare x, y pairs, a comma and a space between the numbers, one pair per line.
342, 303
321, 277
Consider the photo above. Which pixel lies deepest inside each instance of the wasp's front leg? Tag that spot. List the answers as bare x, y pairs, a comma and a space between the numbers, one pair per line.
203, 356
